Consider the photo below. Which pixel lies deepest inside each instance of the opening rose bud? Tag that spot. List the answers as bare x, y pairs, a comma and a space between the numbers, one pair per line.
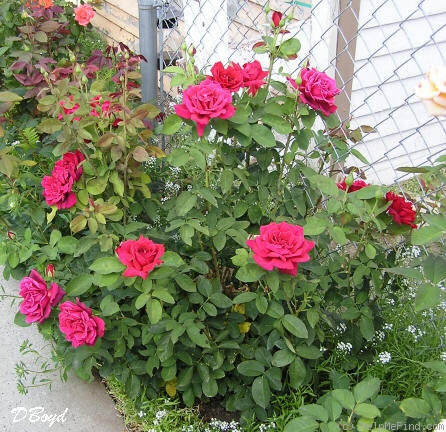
50, 270
276, 18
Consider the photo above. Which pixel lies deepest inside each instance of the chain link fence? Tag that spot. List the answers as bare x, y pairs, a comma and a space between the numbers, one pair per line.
378, 50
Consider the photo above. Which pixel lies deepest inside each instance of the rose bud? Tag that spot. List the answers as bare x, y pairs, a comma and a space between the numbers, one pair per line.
276, 18
50, 270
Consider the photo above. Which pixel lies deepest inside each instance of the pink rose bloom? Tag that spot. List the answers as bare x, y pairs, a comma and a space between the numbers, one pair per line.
253, 76
356, 185
140, 256
37, 298
402, 211
57, 189
203, 102
78, 324
83, 14
282, 246
318, 91
230, 78
70, 162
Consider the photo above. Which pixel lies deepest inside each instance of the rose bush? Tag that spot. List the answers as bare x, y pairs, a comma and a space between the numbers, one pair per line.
222, 269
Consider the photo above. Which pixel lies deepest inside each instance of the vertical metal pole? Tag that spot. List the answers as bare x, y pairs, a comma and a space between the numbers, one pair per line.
148, 48
345, 53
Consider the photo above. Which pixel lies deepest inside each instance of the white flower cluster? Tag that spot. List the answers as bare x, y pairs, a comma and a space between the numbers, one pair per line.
223, 426
379, 336
344, 347
416, 332
443, 356
384, 357
267, 427
189, 428
151, 162
159, 415
388, 326
341, 327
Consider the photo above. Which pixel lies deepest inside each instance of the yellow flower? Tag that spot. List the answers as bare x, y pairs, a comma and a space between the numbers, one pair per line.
244, 327
240, 308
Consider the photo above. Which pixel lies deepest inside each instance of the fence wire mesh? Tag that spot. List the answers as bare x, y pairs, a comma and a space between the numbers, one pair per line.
378, 50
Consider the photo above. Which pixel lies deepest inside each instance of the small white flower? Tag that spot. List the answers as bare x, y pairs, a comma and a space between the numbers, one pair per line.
380, 335
344, 347
388, 326
416, 332
384, 357
160, 414
443, 356
141, 414
341, 327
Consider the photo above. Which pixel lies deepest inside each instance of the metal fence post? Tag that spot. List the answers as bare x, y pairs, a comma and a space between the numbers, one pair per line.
148, 48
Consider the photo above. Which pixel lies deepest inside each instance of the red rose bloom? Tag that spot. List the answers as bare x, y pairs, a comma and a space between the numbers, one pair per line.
282, 246
230, 78
318, 91
140, 256
78, 324
203, 102
37, 298
70, 162
57, 189
276, 18
402, 211
356, 185
253, 76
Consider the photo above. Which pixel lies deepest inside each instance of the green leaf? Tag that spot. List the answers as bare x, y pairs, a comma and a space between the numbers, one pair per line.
219, 240
107, 265
109, 306
261, 303
325, 184
186, 283
172, 124
368, 192
407, 272
226, 180
309, 352
67, 245
244, 297
96, 186
261, 392
185, 202
282, 358
295, 326
345, 398
19, 319
252, 368
210, 388
366, 327
315, 225
367, 410
263, 136
366, 389
197, 337
424, 235
297, 373
8, 96
435, 268
141, 300
241, 116
427, 296
154, 310
49, 126
290, 47
315, 411
338, 235
249, 273
220, 300
301, 424
172, 259
437, 366
415, 407
79, 285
